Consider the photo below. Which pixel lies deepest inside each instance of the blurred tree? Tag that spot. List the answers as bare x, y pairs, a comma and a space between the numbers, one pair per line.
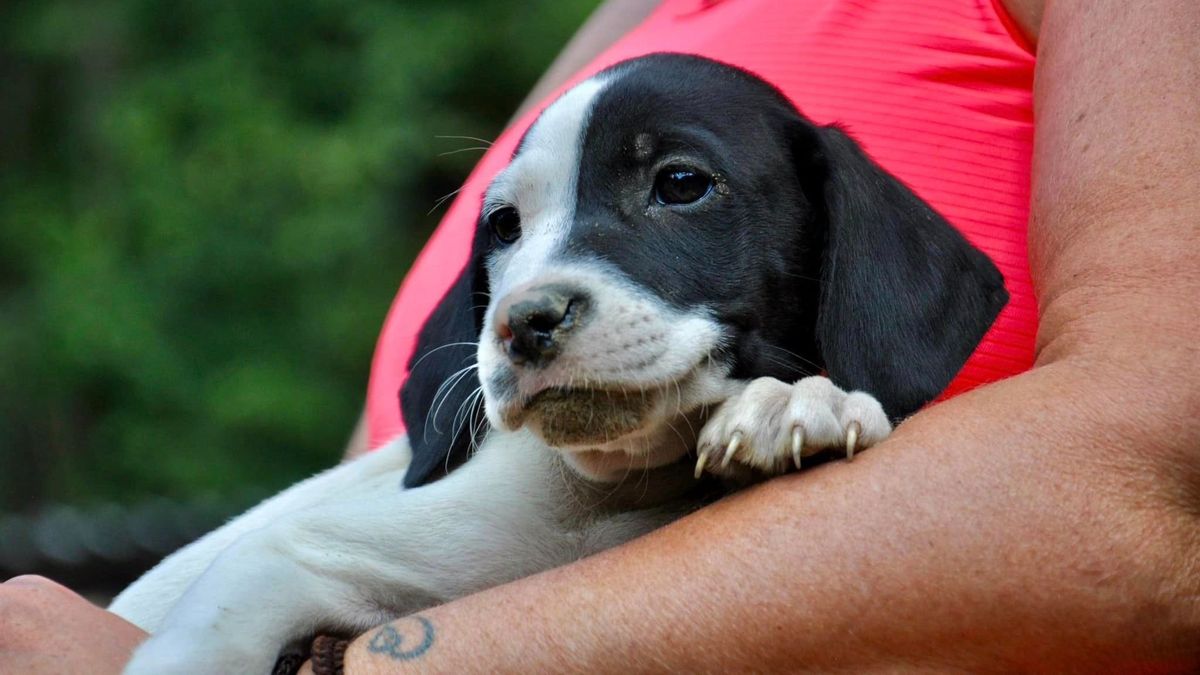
205, 209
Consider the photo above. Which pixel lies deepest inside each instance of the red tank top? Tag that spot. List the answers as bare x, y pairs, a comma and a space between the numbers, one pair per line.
939, 92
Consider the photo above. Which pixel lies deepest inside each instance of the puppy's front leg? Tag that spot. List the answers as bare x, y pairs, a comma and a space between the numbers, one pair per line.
146, 601
361, 561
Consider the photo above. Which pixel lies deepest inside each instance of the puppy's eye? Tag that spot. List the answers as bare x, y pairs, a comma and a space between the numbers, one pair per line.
681, 185
505, 224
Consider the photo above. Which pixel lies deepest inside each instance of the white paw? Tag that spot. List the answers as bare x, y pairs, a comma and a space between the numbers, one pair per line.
771, 425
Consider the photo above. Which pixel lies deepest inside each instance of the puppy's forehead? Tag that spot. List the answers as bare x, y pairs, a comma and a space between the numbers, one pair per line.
628, 109
668, 104
545, 164
605, 133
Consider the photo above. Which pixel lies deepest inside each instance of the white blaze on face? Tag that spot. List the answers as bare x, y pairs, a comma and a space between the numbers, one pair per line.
632, 340
541, 184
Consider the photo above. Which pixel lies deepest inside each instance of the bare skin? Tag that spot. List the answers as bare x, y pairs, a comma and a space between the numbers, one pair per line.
358, 444
1050, 522
47, 628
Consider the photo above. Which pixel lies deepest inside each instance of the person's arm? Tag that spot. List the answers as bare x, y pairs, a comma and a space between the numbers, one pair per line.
358, 443
1049, 522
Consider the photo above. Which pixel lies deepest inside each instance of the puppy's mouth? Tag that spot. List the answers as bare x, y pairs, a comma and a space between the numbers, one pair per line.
567, 416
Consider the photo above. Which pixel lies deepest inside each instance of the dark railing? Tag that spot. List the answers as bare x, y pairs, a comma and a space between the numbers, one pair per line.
99, 550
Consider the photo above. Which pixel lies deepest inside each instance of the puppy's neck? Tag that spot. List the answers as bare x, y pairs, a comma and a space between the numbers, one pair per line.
637, 489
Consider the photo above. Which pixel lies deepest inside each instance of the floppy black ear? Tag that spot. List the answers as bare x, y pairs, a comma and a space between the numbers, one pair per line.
442, 418
905, 298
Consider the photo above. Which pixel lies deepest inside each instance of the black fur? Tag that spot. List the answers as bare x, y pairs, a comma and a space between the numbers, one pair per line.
441, 424
904, 298
809, 254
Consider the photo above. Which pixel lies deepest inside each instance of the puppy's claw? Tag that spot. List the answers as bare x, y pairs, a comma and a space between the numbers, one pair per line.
734, 441
852, 431
797, 443
700, 462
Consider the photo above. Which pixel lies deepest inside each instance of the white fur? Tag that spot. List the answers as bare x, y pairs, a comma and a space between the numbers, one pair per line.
147, 601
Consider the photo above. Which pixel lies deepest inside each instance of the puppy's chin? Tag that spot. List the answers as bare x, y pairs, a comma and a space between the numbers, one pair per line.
572, 418
604, 434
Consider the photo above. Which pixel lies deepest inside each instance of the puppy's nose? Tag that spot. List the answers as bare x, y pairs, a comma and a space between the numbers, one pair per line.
534, 323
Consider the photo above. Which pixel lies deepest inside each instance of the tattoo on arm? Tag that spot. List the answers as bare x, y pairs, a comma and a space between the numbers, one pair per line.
404, 639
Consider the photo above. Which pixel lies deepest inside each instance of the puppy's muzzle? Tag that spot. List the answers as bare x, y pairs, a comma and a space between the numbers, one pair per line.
534, 323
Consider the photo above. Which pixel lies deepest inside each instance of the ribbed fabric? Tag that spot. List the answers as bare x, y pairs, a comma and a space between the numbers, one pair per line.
939, 92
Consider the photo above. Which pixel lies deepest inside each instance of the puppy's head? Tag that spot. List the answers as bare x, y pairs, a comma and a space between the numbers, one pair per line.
668, 226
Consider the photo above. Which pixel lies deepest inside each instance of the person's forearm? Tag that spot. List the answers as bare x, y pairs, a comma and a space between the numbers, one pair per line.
933, 550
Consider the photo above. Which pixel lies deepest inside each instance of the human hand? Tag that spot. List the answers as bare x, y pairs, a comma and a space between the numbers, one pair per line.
47, 628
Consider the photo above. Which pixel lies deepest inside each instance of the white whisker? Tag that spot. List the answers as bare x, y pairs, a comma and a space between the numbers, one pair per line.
442, 200
466, 138
444, 391
426, 355
454, 152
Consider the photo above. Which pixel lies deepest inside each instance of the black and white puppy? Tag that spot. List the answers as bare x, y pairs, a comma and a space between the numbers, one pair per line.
664, 271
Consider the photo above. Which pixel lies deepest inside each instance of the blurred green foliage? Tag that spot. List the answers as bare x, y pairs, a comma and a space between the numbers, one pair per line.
205, 210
